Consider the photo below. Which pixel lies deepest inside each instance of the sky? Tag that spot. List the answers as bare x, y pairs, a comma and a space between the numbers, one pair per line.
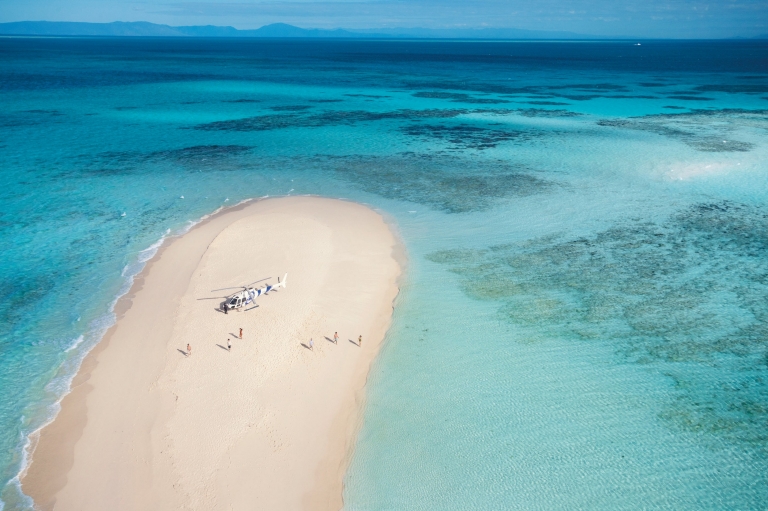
641, 18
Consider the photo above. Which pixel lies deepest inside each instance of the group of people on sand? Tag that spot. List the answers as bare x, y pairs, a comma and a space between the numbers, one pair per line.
311, 342
335, 341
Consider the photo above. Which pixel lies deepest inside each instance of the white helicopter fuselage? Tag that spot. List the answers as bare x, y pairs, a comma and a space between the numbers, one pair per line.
248, 296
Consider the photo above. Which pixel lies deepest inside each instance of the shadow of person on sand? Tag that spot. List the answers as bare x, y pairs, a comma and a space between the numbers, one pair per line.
222, 347
330, 340
353, 342
306, 346
182, 352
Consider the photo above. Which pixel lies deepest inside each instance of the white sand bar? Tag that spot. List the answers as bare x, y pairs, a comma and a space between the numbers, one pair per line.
268, 425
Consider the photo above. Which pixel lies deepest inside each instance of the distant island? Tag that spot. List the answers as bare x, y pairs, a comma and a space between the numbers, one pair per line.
275, 30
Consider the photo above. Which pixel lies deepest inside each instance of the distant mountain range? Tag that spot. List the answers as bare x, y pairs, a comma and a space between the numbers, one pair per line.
146, 29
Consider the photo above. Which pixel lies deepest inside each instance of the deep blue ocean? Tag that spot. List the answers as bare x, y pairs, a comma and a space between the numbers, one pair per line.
584, 319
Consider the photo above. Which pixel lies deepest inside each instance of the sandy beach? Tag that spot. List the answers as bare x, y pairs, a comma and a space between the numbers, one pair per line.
267, 424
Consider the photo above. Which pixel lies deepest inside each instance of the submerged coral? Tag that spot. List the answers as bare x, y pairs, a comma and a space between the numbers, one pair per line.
299, 119
687, 297
201, 157
703, 130
456, 97
466, 136
323, 119
442, 182
290, 108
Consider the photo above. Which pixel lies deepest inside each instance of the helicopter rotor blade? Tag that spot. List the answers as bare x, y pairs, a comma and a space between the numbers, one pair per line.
239, 287
252, 283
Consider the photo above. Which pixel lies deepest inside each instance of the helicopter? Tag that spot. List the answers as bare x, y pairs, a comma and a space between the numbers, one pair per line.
248, 294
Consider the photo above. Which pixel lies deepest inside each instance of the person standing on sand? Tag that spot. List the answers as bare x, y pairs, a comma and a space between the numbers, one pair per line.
229, 345
189, 350
312, 345
335, 337
241, 333
360, 341
225, 308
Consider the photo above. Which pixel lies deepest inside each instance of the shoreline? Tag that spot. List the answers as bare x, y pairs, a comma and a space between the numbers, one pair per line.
58, 451
117, 309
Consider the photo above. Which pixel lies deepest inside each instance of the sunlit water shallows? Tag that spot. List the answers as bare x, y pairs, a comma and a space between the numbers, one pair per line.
584, 320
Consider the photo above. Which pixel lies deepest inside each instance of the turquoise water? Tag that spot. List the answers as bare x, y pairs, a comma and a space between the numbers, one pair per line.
584, 322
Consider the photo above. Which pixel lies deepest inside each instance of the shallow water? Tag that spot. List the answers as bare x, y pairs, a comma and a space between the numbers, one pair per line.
583, 323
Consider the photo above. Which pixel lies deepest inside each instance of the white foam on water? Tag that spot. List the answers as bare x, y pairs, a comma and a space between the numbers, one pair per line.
76, 343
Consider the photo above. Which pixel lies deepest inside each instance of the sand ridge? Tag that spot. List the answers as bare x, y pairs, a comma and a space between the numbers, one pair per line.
268, 424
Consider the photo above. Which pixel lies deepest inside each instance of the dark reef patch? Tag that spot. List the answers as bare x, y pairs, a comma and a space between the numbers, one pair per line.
575, 92
257, 123
466, 136
579, 97
195, 158
369, 96
742, 88
290, 108
446, 183
42, 112
336, 118
325, 100
691, 98
440, 95
541, 112
547, 103
456, 97
242, 100
315, 119
483, 101
686, 297
703, 130
200, 152
630, 96
588, 86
